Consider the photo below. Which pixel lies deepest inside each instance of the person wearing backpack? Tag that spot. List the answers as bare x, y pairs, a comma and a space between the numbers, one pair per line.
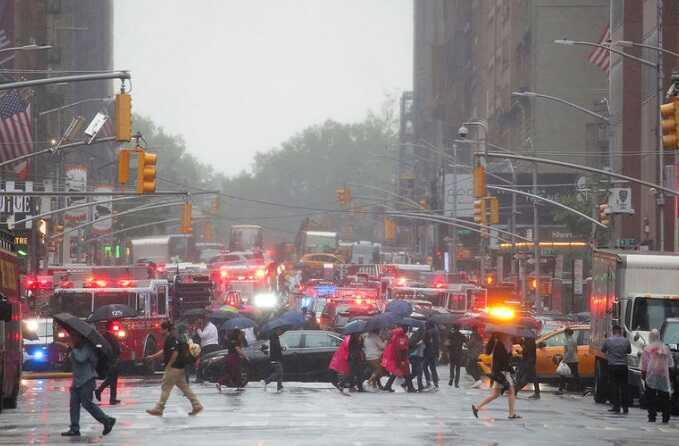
83, 361
175, 355
112, 373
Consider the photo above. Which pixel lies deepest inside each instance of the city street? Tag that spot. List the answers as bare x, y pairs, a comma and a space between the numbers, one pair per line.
313, 414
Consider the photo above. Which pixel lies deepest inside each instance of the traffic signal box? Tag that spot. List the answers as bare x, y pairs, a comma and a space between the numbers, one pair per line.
186, 223
389, 229
669, 123
123, 117
480, 211
487, 211
146, 169
479, 182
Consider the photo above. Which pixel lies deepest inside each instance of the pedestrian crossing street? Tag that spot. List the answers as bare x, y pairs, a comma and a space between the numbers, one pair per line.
313, 414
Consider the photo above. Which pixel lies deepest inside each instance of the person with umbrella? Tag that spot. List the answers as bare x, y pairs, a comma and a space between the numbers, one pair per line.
395, 359
500, 346
112, 375
275, 356
374, 346
174, 358
474, 349
416, 354
431, 353
528, 365
356, 363
209, 341
456, 341
83, 361
232, 366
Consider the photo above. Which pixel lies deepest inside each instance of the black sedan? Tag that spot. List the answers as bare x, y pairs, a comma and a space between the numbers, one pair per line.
306, 356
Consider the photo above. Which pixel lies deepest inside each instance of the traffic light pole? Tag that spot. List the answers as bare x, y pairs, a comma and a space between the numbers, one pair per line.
122, 75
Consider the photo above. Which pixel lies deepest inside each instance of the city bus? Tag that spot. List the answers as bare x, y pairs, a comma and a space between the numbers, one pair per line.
10, 324
138, 336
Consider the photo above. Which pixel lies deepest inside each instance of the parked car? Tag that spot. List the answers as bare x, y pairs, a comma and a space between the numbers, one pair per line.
550, 351
306, 356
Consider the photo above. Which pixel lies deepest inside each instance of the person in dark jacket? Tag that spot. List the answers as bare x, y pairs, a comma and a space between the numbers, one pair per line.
500, 346
474, 349
528, 370
83, 361
233, 361
356, 362
431, 354
616, 348
112, 376
275, 359
456, 341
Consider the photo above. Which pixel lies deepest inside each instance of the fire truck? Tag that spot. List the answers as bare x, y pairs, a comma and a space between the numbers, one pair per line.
10, 324
139, 336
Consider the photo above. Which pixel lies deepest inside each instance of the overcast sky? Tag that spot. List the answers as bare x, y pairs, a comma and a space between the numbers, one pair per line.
239, 76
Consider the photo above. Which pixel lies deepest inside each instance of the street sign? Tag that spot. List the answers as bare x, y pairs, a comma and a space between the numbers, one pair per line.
577, 276
97, 123
620, 201
460, 185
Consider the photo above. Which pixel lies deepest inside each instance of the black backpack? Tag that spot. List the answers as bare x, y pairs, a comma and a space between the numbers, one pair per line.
103, 366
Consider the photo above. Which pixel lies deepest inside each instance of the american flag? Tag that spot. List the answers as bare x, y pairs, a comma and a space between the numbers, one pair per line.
15, 128
601, 57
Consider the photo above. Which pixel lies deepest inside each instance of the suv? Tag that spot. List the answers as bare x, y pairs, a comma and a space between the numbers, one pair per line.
669, 334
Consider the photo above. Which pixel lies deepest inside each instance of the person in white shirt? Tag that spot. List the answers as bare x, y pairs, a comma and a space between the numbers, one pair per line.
209, 341
374, 346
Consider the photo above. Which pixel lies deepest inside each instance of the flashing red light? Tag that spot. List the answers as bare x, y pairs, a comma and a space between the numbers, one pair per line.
223, 274
125, 283
160, 268
401, 281
101, 283
30, 282
65, 284
61, 334
260, 273
440, 285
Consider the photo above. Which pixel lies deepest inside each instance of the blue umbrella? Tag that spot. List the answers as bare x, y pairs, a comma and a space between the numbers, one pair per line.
382, 321
399, 307
409, 321
239, 323
293, 317
356, 326
274, 324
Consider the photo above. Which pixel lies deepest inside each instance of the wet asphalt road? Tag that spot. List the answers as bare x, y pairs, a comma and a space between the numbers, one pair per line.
316, 414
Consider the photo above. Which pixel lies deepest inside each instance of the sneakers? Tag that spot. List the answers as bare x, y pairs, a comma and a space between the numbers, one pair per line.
450, 383
155, 412
70, 433
478, 383
108, 426
475, 411
196, 410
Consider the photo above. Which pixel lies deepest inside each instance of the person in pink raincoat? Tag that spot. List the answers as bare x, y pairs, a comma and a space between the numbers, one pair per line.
340, 361
395, 359
656, 363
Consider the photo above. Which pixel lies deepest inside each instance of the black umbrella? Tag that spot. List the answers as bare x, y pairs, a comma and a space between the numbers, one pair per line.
445, 318
221, 316
111, 312
411, 322
87, 331
511, 330
239, 323
357, 326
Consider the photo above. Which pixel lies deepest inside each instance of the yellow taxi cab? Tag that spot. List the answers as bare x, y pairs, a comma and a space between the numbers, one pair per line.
550, 350
316, 261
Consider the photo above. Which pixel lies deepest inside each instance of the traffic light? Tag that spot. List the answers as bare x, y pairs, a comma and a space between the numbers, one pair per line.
146, 172
603, 214
208, 232
669, 123
123, 166
341, 197
123, 117
480, 211
389, 229
493, 207
186, 224
479, 182
490, 279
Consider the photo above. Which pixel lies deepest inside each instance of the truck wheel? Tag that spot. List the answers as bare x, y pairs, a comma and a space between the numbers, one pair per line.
600, 385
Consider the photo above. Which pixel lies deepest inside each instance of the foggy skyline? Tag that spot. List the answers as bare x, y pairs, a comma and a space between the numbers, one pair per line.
244, 76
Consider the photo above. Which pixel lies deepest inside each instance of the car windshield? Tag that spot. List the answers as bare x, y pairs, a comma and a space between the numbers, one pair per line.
671, 333
650, 313
77, 303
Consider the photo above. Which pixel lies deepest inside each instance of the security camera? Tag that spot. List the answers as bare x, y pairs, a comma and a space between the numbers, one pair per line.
462, 132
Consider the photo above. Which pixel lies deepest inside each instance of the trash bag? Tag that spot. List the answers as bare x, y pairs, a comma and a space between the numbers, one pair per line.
563, 370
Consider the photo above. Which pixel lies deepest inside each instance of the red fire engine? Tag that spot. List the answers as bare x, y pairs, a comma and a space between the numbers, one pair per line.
139, 336
10, 324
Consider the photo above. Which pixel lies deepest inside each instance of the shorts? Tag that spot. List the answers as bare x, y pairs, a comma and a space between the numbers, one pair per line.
504, 380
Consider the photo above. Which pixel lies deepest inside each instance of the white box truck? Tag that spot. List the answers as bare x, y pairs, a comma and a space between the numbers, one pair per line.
636, 290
